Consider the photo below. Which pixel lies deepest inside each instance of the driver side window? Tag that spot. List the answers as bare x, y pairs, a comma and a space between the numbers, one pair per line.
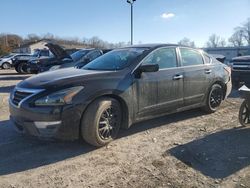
164, 57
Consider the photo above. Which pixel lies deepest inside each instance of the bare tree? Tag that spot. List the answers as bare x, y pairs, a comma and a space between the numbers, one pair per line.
215, 41
237, 39
186, 42
246, 30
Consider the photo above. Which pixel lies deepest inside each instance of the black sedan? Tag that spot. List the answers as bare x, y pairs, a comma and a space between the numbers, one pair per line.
117, 89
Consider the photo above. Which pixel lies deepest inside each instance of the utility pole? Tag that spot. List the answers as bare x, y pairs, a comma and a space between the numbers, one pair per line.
131, 2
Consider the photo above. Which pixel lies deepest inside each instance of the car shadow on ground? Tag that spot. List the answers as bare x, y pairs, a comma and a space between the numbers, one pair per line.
217, 155
161, 121
19, 152
6, 89
9, 78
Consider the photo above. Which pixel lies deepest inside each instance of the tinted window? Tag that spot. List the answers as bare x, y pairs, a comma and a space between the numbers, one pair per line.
165, 58
44, 53
115, 59
79, 55
94, 55
190, 57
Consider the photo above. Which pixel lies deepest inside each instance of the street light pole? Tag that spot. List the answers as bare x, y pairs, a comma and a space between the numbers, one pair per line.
131, 2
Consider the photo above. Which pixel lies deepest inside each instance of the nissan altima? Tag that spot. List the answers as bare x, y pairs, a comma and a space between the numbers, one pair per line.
116, 90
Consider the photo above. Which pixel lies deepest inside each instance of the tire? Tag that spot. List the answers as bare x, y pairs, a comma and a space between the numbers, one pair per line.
16, 68
244, 114
6, 65
21, 68
101, 121
214, 99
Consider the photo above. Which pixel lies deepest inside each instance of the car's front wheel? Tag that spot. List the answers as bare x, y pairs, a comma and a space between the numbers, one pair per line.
214, 98
101, 121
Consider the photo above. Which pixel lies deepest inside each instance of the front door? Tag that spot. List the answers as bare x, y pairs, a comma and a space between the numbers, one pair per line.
162, 91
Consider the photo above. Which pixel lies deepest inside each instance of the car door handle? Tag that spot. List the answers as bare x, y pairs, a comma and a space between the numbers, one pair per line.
208, 71
178, 77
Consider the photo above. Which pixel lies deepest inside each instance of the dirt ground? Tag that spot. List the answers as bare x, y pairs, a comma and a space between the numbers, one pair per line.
188, 149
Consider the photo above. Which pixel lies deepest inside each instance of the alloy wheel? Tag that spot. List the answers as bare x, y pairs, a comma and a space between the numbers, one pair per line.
108, 124
216, 97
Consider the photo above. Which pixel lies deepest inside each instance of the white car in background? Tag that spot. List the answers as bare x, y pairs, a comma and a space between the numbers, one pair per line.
6, 61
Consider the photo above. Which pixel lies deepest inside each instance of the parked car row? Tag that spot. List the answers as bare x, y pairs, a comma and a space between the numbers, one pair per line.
55, 57
116, 90
6, 62
62, 59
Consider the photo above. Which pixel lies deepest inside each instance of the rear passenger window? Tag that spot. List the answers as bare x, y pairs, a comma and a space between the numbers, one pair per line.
190, 57
165, 58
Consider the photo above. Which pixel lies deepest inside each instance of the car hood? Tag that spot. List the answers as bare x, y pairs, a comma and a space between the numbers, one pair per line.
241, 59
62, 77
57, 51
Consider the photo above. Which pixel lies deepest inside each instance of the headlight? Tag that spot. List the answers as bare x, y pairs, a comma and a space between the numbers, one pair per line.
58, 98
54, 67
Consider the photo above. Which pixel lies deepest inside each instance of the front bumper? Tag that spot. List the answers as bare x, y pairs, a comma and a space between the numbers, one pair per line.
47, 122
241, 76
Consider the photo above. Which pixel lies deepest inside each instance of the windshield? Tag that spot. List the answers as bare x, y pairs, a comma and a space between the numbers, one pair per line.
79, 54
116, 59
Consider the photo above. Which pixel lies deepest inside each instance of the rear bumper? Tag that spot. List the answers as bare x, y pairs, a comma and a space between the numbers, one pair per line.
229, 88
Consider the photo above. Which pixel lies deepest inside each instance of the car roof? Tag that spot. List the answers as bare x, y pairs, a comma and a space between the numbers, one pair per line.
156, 45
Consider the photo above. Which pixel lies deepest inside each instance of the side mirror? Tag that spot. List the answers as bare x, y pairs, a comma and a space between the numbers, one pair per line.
149, 68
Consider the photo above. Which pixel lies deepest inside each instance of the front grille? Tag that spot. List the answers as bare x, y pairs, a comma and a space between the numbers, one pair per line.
243, 66
18, 96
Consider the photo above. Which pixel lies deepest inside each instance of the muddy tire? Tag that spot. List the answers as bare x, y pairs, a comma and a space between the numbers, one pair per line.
214, 99
101, 121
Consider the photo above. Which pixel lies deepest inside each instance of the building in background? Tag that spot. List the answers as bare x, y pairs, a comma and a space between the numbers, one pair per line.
229, 52
31, 47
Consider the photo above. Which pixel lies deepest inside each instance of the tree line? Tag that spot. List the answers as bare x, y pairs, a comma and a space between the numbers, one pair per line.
9, 42
240, 37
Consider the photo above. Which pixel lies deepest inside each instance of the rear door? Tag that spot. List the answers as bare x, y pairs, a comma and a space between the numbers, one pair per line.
197, 75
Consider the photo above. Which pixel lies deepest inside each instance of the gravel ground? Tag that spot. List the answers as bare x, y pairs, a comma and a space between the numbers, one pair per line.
188, 149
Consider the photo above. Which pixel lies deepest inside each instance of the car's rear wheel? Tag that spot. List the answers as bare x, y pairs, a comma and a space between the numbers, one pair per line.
101, 121
6, 65
244, 114
214, 98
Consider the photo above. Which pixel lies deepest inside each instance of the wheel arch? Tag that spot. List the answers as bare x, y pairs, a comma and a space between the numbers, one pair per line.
124, 106
223, 85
